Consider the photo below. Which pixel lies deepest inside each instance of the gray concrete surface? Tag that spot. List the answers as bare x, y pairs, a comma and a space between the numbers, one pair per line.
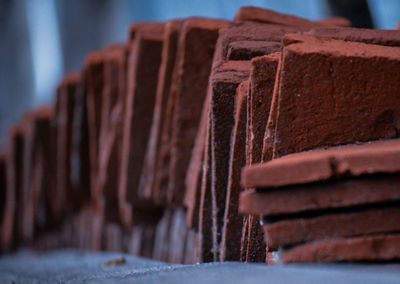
71, 266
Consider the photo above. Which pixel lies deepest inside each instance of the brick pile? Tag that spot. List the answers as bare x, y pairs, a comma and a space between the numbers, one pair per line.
144, 148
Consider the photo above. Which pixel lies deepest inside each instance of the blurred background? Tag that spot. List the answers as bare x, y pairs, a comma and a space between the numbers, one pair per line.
41, 40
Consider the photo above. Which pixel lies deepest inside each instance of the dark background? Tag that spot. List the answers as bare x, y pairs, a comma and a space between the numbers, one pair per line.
41, 40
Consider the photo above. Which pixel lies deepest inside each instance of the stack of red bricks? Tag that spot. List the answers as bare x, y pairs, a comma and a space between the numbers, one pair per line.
144, 149
329, 205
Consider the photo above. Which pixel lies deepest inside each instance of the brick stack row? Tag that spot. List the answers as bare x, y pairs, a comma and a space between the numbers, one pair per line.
143, 150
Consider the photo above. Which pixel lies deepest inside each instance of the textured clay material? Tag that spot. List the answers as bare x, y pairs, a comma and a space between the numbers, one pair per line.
269, 135
177, 237
64, 115
80, 165
113, 237
160, 183
205, 241
379, 37
241, 39
246, 49
376, 248
255, 14
244, 239
190, 247
189, 88
67, 233
345, 77
323, 164
104, 196
148, 242
161, 250
102, 96
94, 77
223, 91
262, 78
143, 66
250, 35
233, 223
183, 107
347, 34
336, 21
38, 170
337, 225
150, 29
10, 233
168, 58
300, 198
256, 246
92, 226
245, 39
194, 175
141, 241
